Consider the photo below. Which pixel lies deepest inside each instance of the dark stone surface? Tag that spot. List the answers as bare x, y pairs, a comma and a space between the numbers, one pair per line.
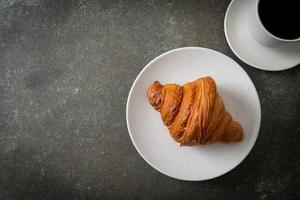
66, 68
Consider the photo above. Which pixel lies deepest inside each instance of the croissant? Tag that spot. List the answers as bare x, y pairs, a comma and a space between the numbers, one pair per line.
194, 113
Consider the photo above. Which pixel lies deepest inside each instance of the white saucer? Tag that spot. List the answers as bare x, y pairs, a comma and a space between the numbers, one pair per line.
247, 48
151, 138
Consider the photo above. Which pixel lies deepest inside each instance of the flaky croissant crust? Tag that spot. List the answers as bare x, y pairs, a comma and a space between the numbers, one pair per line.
194, 113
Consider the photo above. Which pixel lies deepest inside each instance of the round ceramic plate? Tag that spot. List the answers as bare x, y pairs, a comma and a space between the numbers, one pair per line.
247, 48
151, 138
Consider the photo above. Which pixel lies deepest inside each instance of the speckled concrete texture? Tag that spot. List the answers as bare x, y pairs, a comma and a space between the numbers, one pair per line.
66, 68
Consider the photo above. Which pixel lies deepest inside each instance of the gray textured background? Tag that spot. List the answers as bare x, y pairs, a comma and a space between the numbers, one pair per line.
66, 68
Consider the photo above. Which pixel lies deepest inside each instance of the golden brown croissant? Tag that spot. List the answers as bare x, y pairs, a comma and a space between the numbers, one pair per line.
194, 113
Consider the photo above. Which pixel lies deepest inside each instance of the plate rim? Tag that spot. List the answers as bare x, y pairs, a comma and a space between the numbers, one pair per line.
130, 95
238, 55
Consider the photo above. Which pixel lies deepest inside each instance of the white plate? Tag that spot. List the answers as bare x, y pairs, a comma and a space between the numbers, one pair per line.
247, 48
151, 138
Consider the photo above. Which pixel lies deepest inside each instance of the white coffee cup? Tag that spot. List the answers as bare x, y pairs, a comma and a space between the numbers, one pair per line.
262, 35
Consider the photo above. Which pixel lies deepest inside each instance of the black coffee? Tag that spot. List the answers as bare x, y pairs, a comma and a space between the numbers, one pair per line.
281, 18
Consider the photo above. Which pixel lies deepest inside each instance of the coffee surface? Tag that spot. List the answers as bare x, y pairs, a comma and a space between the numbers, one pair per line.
280, 18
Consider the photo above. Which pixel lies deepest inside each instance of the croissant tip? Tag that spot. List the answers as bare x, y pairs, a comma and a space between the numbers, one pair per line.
234, 133
154, 95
